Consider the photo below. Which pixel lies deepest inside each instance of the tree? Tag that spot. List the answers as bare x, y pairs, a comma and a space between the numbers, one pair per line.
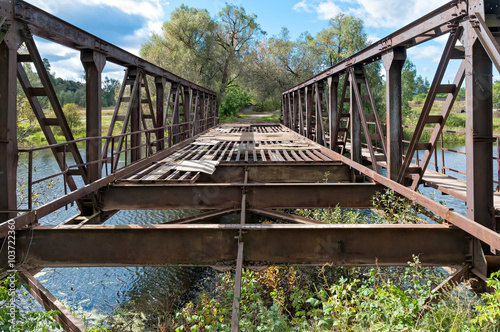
343, 37
71, 112
411, 84
205, 51
235, 35
109, 88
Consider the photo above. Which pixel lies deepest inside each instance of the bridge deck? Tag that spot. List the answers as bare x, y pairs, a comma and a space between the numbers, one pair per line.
274, 166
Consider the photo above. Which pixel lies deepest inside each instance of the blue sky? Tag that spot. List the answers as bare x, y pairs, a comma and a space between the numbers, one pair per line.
128, 23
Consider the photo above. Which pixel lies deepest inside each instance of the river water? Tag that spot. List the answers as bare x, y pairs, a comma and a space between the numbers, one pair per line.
96, 292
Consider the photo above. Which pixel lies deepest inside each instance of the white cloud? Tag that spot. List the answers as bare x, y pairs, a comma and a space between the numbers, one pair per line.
375, 13
49, 48
150, 9
302, 6
372, 39
68, 69
394, 13
327, 10
426, 52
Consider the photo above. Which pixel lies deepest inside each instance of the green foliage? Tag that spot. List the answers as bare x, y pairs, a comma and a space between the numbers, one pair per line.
489, 312
496, 94
234, 101
24, 320
412, 85
72, 114
396, 208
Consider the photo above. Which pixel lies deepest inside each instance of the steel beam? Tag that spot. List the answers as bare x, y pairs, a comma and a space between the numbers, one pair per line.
394, 61
160, 84
221, 195
467, 224
355, 121
479, 131
280, 172
8, 118
44, 210
207, 245
65, 317
94, 63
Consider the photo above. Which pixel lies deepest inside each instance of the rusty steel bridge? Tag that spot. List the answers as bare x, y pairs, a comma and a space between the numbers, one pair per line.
172, 153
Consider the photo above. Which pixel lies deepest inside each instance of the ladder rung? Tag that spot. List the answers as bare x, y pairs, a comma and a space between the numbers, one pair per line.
342, 130
414, 170
374, 137
345, 115
74, 172
147, 116
37, 92
380, 157
125, 100
24, 58
423, 146
145, 101
446, 88
434, 119
51, 121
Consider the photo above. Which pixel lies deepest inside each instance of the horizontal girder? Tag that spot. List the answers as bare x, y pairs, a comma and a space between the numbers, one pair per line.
216, 245
222, 195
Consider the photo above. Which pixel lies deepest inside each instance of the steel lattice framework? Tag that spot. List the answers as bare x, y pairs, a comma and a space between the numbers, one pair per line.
177, 156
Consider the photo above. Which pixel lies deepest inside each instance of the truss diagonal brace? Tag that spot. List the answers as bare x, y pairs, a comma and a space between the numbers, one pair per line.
487, 39
68, 321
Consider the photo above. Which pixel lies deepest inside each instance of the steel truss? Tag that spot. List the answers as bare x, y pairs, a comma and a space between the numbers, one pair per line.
157, 125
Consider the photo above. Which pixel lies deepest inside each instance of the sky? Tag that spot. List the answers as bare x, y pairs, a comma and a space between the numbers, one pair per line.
129, 23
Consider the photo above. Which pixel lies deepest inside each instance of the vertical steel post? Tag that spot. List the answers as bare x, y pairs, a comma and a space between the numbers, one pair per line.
309, 109
93, 63
479, 131
135, 118
160, 83
355, 122
8, 131
333, 84
393, 61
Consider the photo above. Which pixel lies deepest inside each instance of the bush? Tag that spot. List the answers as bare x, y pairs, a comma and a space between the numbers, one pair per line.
234, 101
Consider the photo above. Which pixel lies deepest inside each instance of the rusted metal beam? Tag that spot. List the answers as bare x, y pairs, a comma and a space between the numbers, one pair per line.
145, 245
393, 61
44, 210
93, 63
285, 216
69, 322
280, 172
436, 21
221, 195
467, 224
479, 131
8, 118
207, 216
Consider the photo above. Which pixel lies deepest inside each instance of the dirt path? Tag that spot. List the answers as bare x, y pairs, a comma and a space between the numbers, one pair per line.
252, 116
